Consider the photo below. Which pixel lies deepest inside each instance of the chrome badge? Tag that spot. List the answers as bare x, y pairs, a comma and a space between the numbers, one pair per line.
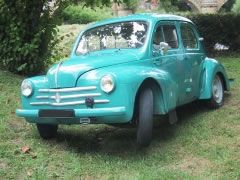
58, 97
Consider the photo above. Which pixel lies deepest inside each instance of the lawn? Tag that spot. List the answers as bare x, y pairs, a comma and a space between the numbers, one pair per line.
204, 144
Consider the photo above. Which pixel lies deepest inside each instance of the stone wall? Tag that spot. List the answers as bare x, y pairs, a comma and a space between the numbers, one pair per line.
207, 6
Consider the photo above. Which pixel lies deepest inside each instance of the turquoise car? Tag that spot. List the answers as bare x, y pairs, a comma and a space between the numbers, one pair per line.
125, 70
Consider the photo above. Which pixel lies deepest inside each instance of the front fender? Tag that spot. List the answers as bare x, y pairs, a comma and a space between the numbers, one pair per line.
133, 76
166, 94
211, 67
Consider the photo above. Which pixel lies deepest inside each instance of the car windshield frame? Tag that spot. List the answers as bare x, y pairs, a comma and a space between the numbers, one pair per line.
144, 23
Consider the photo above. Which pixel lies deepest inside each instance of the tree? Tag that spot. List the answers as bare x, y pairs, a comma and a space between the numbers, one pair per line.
174, 5
28, 31
236, 7
227, 7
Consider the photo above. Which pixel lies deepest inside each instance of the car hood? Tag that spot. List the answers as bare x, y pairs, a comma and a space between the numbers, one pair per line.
66, 73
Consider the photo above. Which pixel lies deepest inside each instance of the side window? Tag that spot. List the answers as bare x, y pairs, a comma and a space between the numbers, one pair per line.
158, 37
170, 36
188, 37
165, 33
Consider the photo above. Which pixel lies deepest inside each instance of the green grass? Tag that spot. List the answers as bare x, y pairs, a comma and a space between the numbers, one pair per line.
203, 145
67, 35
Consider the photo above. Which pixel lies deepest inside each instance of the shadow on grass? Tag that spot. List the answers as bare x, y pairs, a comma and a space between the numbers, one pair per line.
122, 141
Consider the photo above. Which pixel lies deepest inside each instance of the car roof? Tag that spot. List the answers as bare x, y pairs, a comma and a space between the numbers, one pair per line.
150, 17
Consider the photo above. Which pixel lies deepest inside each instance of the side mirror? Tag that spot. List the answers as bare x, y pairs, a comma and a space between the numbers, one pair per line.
164, 48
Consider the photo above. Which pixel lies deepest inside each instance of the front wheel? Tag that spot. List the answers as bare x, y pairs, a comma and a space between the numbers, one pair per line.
217, 97
145, 120
47, 131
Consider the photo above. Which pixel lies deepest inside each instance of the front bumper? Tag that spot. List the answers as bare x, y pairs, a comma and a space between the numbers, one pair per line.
101, 115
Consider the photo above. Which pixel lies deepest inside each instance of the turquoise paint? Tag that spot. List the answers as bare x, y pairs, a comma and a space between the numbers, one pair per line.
211, 68
180, 76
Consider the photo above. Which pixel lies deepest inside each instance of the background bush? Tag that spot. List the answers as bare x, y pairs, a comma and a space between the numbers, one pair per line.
236, 7
219, 28
66, 37
216, 28
78, 14
27, 32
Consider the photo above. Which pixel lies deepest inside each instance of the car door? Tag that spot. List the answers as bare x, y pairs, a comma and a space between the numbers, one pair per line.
193, 58
171, 62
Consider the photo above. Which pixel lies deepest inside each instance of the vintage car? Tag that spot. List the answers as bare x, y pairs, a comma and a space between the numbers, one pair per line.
125, 70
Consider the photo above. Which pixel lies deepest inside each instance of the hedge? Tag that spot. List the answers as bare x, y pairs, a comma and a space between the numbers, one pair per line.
219, 28
214, 28
27, 35
78, 14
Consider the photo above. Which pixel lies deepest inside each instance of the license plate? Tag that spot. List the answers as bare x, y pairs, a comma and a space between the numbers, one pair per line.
56, 113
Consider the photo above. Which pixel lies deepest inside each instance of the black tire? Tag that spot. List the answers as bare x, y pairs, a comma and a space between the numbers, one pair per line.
217, 97
145, 120
47, 131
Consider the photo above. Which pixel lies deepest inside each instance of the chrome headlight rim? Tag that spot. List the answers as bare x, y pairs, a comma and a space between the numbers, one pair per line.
26, 88
107, 83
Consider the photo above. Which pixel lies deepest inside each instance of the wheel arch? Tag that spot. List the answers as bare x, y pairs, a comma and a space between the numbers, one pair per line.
211, 69
158, 100
220, 74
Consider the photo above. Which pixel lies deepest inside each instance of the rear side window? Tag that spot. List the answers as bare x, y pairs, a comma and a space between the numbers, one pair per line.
188, 37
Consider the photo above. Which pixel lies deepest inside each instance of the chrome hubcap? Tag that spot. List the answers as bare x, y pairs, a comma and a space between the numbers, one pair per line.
217, 90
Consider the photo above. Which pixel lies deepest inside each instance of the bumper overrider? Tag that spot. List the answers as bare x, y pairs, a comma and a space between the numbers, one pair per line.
71, 106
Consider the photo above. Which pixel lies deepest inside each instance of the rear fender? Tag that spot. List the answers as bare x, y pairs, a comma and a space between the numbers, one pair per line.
212, 67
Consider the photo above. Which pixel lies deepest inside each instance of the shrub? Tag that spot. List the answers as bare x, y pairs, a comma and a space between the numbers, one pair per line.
78, 14
218, 28
236, 7
66, 37
131, 4
27, 31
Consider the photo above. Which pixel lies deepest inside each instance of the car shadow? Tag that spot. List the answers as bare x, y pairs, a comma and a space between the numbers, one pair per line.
122, 141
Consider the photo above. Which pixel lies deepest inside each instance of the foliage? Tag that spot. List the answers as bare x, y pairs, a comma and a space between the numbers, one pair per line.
219, 28
27, 34
169, 5
28, 31
66, 37
174, 6
131, 4
227, 7
79, 14
236, 7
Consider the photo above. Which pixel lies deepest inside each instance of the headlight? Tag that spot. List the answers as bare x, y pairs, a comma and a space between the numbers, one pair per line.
107, 83
26, 88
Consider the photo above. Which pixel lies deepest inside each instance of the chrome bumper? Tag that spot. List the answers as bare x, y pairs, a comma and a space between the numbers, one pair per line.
79, 113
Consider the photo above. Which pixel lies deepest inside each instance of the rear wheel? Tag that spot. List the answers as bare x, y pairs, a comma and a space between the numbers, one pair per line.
145, 120
47, 131
217, 98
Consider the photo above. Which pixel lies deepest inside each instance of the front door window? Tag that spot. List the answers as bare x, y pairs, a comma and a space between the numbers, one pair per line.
167, 34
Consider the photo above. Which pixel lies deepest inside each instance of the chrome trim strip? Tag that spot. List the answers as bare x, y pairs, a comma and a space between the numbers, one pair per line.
68, 89
70, 96
68, 103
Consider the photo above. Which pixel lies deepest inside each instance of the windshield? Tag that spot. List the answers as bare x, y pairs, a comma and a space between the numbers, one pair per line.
118, 35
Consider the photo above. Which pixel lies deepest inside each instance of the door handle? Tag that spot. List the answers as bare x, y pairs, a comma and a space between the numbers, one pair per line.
157, 61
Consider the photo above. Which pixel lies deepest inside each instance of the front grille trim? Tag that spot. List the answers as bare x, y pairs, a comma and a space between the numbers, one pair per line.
70, 96
67, 96
75, 89
101, 101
